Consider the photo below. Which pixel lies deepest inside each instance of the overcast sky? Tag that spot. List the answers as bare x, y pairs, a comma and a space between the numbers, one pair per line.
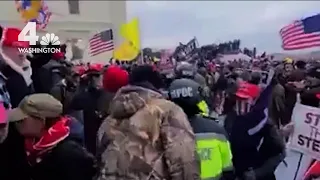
257, 23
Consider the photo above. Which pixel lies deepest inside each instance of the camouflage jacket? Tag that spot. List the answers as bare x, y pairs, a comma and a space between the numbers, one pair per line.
146, 137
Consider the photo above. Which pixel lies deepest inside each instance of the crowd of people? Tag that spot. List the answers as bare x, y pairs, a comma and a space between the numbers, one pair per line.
118, 121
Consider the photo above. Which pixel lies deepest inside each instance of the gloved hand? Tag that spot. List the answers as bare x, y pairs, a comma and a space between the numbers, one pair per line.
249, 175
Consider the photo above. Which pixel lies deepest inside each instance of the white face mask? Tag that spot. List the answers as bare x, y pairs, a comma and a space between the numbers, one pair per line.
27, 73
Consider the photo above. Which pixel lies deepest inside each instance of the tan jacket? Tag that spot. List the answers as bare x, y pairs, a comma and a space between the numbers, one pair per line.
146, 138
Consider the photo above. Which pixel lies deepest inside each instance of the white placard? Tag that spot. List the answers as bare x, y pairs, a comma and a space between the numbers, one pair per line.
293, 167
306, 136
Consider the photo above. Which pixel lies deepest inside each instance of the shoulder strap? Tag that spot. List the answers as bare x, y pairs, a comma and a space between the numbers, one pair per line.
62, 94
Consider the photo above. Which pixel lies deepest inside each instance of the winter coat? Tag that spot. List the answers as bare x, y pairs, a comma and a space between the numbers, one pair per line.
13, 163
64, 94
146, 137
261, 152
95, 104
277, 106
16, 86
67, 160
42, 74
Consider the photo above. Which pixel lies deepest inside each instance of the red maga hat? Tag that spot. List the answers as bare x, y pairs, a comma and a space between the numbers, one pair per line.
247, 90
10, 38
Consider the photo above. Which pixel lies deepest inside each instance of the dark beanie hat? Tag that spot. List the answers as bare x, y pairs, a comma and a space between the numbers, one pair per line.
145, 74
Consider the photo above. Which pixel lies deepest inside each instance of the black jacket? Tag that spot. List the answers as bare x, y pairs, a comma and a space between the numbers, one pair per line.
67, 161
41, 65
261, 152
13, 160
202, 124
64, 94
16, 86
95, 104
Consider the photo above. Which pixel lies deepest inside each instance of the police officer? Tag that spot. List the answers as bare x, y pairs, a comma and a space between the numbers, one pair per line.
188, 71
185, 70
212, 145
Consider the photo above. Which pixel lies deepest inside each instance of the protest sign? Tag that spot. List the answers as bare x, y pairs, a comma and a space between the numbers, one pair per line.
294, 166
166, 62
306, 136
186, 51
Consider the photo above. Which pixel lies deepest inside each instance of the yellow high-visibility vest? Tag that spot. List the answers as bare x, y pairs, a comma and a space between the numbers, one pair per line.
202, 105
214, 154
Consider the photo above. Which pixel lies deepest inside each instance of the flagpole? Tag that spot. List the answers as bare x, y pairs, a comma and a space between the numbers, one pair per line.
141, 49
85, 56
199, 54
141, 54
196, 41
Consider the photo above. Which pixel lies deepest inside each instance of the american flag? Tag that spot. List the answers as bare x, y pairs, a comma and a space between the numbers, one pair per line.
101, 42
301, 34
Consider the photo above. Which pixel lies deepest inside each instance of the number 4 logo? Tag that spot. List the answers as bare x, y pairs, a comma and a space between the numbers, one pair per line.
29, 33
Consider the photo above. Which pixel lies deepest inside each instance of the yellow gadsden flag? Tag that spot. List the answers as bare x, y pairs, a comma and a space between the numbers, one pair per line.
130, 32
130, 48
125, 52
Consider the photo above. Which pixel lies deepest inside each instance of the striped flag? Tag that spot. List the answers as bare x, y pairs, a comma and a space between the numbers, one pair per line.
39, 10
101, 42
301, 34
44, 17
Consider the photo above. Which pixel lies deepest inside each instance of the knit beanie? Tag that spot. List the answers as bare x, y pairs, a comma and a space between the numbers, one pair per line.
146, 74
114, 78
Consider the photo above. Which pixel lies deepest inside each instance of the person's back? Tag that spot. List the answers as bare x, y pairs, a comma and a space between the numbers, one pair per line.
64, 94
47, 76
277, 106
140, 125
145, 136
213, 148
93, 102
64, 162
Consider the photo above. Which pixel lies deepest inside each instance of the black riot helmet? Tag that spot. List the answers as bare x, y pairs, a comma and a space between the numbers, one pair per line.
185, 70
186, 93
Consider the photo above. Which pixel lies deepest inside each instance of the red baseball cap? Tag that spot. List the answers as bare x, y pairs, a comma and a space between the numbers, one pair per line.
96, 67
79, 69
10, 38
247, 90
58, 55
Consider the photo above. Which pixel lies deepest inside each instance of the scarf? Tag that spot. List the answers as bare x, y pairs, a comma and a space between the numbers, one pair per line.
35, 150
